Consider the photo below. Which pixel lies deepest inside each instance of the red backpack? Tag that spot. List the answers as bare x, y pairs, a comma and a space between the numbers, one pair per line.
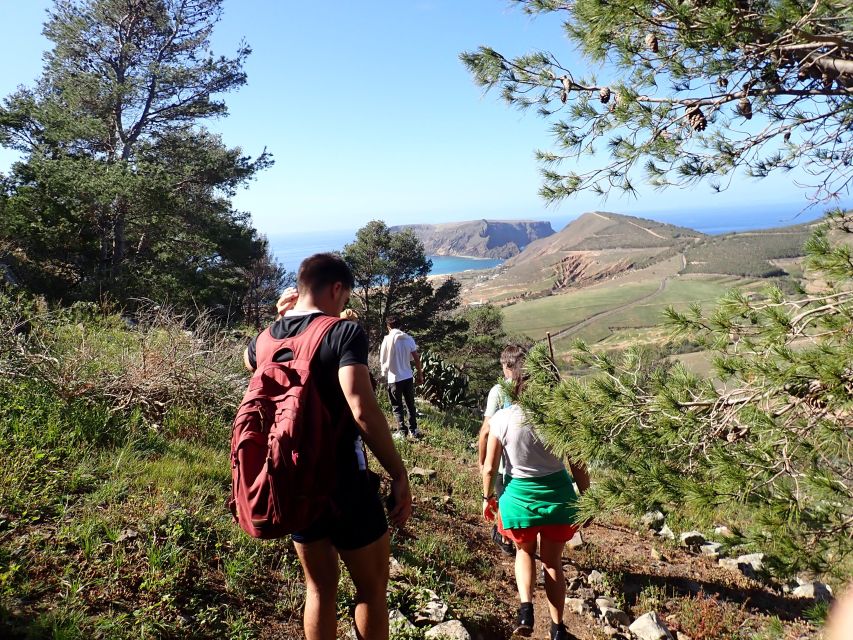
283, 440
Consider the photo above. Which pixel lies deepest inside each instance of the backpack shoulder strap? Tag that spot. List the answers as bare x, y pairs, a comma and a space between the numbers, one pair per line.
265, 348
305, 345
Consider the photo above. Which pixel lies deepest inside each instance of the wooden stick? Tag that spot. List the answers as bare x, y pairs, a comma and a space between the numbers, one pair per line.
550, 347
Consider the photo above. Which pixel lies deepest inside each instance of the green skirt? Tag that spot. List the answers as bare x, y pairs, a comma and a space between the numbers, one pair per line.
533, 502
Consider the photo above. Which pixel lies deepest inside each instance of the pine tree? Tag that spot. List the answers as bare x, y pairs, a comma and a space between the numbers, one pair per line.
766, 446
692, 90
122, 191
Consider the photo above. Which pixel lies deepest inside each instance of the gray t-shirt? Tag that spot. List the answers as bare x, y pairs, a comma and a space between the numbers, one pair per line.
524, 454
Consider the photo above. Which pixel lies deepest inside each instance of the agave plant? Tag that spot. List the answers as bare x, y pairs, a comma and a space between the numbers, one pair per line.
444, 385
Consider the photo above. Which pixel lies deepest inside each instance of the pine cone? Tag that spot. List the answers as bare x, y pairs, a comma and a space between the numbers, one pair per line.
744, 108
696, 119
722, 82
652, 42
564, 96
787, 136
604, 95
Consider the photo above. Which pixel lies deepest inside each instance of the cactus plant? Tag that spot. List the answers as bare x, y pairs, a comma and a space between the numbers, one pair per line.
444, 385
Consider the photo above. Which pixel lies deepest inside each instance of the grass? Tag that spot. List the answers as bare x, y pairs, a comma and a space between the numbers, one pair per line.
552, 313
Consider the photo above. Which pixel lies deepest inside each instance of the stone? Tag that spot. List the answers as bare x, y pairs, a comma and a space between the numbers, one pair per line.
395, 569
650, 627
425, 474
814, 591
711, 549
398, 623
666, 532
577, 541
433, 611
692, 539
723, 530
603, 602
450, 630
610, 632
586, 594
680, 635
615, 617
577, 606
127, 535
653, 520
749, 565
575, 583
595, 577
657, 556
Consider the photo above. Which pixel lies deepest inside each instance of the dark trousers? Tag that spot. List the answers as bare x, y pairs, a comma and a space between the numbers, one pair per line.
403, 392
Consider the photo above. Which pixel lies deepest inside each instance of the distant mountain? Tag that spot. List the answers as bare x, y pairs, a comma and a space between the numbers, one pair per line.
596, 246
479, 238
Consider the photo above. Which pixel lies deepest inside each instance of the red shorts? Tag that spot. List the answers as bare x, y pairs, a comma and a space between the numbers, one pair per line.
553, 532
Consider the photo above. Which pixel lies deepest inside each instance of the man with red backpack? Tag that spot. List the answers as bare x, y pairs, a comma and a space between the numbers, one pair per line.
353, 527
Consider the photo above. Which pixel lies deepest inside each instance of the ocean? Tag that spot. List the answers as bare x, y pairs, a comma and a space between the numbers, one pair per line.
291, 249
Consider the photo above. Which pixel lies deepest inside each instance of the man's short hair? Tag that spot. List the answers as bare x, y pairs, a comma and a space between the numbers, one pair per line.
513, 356
323, 270
393, 322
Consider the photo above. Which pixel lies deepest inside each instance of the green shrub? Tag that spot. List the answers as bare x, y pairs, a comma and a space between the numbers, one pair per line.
444, 385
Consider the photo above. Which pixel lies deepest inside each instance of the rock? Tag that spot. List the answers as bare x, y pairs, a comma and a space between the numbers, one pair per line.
692, 539
711, 549
595, 577
653, 520
577, 606
650, 627
434, 611
398, 623
749, 565
586, 594
450, 630
723, 530
575, 583
610, 632
577, 541
127, 534
604, 602
425, 474
657, 556
814, 591
615, 617
395, 569
680, 635
666, 532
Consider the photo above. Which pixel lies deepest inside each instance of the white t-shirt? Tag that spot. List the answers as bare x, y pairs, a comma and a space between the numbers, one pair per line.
524, 454
395, 355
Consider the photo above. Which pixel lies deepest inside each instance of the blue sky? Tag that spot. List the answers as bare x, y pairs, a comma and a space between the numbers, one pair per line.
369, 114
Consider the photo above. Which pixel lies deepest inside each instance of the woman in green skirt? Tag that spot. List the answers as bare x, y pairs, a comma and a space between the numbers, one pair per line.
537, 506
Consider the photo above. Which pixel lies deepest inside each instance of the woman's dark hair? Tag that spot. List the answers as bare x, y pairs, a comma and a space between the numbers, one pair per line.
512, 357
322, 270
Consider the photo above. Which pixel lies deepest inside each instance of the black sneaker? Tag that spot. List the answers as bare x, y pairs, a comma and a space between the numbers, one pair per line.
524, 626
559, 632
505, 545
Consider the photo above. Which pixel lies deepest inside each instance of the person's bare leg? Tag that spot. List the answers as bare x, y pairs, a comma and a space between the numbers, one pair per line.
368, 568
525, 569
320, 566
551, 554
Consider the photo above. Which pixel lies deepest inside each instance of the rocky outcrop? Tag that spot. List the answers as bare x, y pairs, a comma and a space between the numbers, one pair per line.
479, 238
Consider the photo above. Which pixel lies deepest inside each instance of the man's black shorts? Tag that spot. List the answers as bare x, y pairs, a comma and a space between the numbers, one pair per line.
358, 520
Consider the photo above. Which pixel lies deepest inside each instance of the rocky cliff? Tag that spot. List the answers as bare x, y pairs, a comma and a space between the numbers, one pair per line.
479, 238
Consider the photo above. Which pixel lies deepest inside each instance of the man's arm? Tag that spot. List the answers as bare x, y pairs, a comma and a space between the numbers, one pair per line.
355, 383
417, 358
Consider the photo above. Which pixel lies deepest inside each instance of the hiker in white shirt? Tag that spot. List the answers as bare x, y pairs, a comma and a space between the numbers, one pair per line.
396, 354
512, 357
